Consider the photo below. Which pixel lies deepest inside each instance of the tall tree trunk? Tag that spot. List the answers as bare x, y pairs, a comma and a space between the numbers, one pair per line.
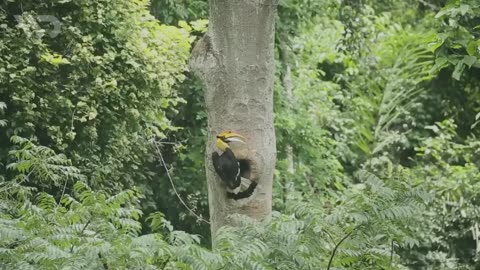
235, 60
287, 83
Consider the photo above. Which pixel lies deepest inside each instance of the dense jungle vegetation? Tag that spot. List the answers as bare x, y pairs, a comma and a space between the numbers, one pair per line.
378, 151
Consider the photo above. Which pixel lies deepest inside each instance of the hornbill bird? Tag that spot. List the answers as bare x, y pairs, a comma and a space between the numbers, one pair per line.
228, 166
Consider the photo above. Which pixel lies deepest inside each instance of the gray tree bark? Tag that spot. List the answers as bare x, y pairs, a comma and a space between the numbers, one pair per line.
235, 61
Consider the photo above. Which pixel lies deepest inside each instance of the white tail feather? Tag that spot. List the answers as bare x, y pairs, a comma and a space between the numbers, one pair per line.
244, 184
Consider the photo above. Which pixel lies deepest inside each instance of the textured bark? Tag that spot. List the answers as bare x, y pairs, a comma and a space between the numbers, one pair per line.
288, 87
235, 61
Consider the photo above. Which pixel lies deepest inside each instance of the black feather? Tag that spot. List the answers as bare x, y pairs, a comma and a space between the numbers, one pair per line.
227, 167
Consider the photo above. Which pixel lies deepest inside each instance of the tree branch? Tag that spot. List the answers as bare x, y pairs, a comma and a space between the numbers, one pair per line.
430, 5
81, 232
336, 247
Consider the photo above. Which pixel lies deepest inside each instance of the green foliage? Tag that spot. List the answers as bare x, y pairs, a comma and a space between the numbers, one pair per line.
86, 230
367, 80
184, 149
93, 229
368, 219
3, 106
457, 50
458, 42
171, 11
382, 124
40, 164
301, 119
90, 230
97, 89
383, 101
450, 171
186, 160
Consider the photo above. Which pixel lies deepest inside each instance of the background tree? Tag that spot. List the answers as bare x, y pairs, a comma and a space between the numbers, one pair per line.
235, 60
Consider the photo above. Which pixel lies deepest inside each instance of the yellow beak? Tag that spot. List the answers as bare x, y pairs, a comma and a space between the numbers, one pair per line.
229, 136
226, 137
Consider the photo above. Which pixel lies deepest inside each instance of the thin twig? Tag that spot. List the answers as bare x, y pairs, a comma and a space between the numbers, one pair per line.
173, 143
85, 227
25, 178
223, 267
73, 118
329, 235
164, 264
336, 247
103, 261
430, 5
391, 253
173, 185
63, 193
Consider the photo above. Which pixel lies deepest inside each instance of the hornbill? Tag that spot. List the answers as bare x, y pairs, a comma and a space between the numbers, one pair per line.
228, 166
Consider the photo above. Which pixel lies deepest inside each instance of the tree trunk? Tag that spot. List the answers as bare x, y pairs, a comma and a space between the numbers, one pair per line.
287, 82
235, 61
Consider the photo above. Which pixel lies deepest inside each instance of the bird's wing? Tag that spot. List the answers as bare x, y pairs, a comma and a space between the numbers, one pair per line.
233, 167
216, 163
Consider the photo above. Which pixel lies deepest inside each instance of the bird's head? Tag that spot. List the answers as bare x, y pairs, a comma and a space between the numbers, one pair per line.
227, 138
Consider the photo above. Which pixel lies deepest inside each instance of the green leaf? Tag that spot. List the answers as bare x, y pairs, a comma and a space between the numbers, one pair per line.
473, 48
440, 63
469, 60
464, 9
459, 68
200, 25
54, 59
